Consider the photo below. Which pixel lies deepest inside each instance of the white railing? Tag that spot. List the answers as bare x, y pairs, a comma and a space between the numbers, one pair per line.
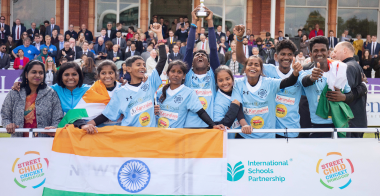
334, 132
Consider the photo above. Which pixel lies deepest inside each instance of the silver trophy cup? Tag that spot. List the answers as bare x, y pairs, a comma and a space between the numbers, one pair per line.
202, 13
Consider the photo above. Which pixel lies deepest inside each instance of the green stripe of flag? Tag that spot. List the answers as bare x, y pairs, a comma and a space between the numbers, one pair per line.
52, 192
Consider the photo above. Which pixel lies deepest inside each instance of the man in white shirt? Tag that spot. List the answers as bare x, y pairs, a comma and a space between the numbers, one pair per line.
332, 40
86, 51
203, 44
280, 36
246, 48
151, 62
75, 48
37, 42
119, 41
17, 30
248, 34
171, 40
110, 31
103, 33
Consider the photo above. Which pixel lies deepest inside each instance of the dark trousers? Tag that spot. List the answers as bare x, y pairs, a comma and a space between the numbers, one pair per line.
321, 134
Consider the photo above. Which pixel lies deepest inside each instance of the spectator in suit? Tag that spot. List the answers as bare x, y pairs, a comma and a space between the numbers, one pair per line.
256, 52
20, 61
171, 41
4, 30
118, 40
316, 32
10, 45
146, 55
248, 33
280, 36
332, 40
66, 52
223, 46
345, 37
151, 62
227, 56
18, 30
164, 27
183, 48
203, 32
374, 47
87, 34
32, 31
219, 33
246, 48
55, 38
175, 55
228, 33
75, 48
115, 55
81, 39
128, 48
182, 34
61, 43
71, 32
103, 35
85, 51
220, 56
231, 36
119, 27
51, 27
100, 51
132, 52
5, 59
29, 51
203, 44
110, 31
299, 33
37, 43
52, 50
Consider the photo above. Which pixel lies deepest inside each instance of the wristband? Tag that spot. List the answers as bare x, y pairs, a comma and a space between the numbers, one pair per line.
237, 39
194, 25
161, 41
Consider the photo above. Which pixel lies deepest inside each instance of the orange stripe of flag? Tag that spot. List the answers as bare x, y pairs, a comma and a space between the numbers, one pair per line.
97, 94
139, 142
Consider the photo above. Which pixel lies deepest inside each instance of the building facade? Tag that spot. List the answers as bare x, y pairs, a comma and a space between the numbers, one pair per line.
261, 16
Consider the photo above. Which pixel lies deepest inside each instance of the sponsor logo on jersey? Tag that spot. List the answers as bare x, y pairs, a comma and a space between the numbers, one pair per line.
141, 108
262, 93
285, 100
169, 115
203, 102
257, 122
144, 119
281, 111
163, 122
203, 92
255, 111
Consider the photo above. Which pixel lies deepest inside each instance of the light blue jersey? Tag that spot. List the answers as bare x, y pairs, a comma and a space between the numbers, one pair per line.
258, 104
205, 87
287, 101
178, 104
135, 103
221, 106
313, 93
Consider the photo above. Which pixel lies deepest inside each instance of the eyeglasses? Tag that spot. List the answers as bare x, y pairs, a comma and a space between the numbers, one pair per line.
50, 61
45, 50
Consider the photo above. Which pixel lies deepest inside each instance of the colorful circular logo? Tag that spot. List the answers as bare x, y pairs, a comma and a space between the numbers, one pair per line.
335, 171
203, 102
133, 176
257, 122
281, 110
163, 122
144, 119
30, 170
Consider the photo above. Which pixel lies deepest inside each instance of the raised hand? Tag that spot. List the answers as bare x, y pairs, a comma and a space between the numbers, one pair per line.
156, 27
316, 73
239, 30
194, 14
209, 13
297, 67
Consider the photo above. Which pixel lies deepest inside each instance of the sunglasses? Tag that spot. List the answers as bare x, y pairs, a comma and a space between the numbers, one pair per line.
45, 50
50, 61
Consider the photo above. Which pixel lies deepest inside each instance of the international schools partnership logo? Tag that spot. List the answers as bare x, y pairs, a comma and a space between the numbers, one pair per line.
335, 170
29, 170
235, 173
133, 176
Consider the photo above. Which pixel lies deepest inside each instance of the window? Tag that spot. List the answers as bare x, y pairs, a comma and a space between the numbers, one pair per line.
304, 14
117, 11
25, 10
227, 13
358, 17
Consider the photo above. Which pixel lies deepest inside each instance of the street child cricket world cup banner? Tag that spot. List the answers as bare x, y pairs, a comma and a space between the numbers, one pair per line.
145, 161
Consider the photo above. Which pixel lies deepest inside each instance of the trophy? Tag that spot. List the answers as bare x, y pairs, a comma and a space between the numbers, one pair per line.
202, 13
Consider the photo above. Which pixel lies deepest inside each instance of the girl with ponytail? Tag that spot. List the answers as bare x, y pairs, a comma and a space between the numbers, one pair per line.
176, 100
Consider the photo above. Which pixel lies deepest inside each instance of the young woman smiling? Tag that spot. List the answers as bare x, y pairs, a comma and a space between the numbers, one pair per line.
34, 106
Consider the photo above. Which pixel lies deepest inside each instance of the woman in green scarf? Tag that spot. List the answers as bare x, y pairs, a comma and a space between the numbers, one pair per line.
44, 55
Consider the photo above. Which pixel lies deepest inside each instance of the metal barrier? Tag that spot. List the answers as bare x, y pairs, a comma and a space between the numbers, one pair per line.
334, 132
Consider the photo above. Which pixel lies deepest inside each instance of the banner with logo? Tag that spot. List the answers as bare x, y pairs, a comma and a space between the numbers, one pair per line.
7, 79
312, 167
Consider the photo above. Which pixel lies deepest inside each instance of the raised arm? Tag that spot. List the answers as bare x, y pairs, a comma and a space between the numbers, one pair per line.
240, 57
191, 40
214, 59
157, 28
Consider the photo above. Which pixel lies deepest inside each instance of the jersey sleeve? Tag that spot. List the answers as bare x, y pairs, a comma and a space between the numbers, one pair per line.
193, 103
268, 70
112, 111
347, 88
236, 94
154, 80
275, 85
302, 75
218, 112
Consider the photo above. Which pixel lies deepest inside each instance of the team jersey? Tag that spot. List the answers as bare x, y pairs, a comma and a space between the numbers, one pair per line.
205, 88
312, 94
287, 101
258, 102
177, 105
30, 52
135, 103
220, 109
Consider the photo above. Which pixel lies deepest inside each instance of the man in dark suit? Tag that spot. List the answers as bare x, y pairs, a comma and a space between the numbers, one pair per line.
61, 42
171, 41
103, 35
220, 57
4, 57
66, 52
4, 30
37, 42
110, 31
219, 33
86, 51
132, 52
118, 40
115, 55
182, 34
374, 47
87, 34
100, 49
247, 49
332, 40
71, 32
175, 55
119, 27
75, 48
51, 27
17, 30
32, 31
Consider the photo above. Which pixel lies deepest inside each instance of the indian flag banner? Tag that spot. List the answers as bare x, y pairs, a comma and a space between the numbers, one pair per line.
137, 161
